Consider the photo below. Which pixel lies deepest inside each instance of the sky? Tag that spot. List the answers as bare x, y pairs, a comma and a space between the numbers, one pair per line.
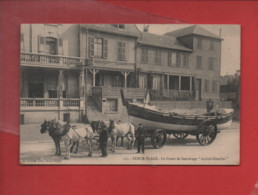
230, 49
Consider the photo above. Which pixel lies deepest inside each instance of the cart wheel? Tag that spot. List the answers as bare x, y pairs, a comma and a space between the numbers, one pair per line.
180, 135
207, 132
159, 138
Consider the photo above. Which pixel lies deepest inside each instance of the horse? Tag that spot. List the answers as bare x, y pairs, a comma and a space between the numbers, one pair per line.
122, 138
55, 135
116, 130
96, 126
46, 126
71, 134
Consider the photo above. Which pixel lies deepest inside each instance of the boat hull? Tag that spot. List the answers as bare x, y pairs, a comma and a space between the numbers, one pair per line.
152, 119
148, 124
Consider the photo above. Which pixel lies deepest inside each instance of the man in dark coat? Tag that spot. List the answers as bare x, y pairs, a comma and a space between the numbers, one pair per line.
140, 136
103, 138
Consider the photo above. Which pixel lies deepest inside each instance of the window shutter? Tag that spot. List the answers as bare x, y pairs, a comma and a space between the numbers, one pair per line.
105, 48
60, 47
91, 46
41, 44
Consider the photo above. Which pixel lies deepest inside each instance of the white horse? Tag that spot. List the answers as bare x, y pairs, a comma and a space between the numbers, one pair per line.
71, 134
121, 130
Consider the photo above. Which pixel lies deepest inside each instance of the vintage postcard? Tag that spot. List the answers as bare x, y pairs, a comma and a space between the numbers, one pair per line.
129, 94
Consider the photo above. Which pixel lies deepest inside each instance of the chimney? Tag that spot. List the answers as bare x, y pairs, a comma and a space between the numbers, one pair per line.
146, 28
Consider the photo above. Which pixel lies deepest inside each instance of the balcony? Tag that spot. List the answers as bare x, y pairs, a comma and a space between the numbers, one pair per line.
48, 103
118, 65
44, 60
110, 92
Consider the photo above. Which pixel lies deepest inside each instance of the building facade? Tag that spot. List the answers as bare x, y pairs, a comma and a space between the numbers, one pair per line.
74, 71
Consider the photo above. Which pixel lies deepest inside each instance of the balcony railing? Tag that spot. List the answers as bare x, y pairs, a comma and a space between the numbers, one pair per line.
48, 102
172, 95
39, 102
110, 64
71, 103
43, 59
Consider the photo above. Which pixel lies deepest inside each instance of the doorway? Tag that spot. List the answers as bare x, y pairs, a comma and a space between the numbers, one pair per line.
51, 46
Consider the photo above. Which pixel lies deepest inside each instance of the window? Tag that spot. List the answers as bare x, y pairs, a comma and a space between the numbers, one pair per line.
211, 63
111, 105
185, 83
120, 26
207, 86
64, 94
121, 51
52, 93
173, 59
142, 81
98, 47
174, 82
214, 86
184, 60
157, 59
144, 56
22, 42
51, 45
199, 62
199, 43
156, 81
212, 45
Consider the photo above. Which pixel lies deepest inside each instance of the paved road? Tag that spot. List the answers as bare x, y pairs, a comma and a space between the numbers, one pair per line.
224, 150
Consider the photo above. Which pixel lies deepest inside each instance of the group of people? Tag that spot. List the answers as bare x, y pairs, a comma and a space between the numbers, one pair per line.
140, 135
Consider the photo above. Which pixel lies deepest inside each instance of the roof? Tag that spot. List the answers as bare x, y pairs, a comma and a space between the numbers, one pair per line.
195, 30
161, 41
128, 30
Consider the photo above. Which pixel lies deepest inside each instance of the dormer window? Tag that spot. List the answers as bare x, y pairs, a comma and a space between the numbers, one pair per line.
120, 26
199, 43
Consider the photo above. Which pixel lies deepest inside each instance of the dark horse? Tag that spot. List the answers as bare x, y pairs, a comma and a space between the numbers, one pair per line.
55, 135
69, 134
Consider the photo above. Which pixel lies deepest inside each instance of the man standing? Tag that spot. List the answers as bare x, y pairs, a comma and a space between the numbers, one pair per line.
140, 136
103, 138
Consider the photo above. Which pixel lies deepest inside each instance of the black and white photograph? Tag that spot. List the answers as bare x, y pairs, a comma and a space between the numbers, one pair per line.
130, 94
